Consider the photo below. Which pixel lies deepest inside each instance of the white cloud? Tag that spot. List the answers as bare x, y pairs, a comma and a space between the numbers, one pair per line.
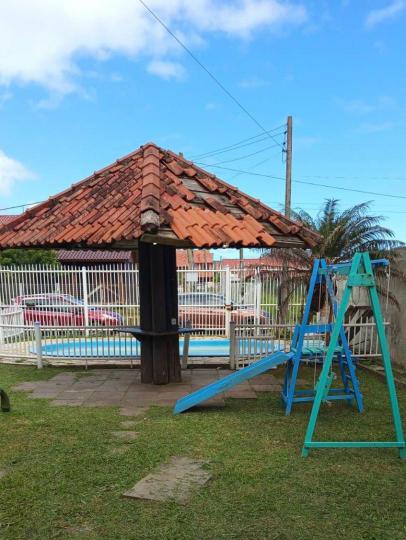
306, 141
11, 172
43, 41
253, 82
362, 107
376, 16
375, 127
166, 69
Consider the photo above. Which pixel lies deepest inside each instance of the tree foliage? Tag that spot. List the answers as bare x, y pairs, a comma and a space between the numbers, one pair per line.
343, 233
19, 257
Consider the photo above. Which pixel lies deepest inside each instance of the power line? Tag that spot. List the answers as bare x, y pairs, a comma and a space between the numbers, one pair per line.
311, 207
306, 183
209, 73
243, 157
255, 165
20, 206
352, 177
239, 144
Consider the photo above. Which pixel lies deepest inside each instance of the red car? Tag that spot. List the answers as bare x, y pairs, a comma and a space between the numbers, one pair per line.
63, 310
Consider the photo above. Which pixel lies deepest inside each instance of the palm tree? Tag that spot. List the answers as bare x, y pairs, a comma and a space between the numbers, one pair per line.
343, 233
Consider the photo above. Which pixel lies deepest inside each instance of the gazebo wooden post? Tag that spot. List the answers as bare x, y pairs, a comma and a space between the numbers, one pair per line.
160, 362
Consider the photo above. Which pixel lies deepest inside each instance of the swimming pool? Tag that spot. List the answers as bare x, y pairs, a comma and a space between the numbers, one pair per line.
113, 347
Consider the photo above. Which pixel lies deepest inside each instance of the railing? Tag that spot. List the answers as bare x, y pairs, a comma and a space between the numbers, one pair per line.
104, 295
79, 345
81, 306
249, 343
10, 319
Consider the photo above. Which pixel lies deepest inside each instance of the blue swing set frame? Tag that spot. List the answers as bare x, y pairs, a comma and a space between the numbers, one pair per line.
350, 391
321, 274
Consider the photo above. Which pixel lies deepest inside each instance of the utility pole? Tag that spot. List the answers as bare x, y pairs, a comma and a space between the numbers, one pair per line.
283, 292
288, 185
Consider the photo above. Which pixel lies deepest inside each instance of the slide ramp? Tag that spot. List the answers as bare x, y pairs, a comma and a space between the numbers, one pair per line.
224, 384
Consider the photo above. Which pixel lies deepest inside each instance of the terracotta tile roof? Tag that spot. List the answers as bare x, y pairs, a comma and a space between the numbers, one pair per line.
4, 220
153, 194
96, 256
93, 256
269, 262
200, 257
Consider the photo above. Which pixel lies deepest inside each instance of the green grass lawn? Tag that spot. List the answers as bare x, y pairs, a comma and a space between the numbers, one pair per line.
65, 474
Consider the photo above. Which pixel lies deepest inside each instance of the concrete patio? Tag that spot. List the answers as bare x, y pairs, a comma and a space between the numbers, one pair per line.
122, 388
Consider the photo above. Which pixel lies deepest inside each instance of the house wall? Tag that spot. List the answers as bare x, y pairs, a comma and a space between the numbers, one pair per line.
397, 318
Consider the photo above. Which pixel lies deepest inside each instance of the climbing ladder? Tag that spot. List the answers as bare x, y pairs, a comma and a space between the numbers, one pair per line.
350, 390
360, 274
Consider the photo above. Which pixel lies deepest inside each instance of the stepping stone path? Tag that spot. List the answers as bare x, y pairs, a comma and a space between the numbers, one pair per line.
172, 481
128, 424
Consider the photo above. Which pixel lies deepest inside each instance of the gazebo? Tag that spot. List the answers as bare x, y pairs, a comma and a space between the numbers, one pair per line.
151, 202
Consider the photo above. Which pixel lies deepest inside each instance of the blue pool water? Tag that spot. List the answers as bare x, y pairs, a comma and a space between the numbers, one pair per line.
105, 347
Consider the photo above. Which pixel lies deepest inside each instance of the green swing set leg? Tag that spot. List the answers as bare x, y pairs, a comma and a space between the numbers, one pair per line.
357, 277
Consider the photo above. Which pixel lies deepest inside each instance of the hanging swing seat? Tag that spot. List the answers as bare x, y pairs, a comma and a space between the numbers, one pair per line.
318, 348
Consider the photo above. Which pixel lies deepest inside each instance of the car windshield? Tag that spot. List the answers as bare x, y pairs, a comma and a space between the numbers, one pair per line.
196, 299
72, 300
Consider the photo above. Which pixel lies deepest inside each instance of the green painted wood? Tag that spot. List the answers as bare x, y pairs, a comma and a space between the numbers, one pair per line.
380, 328
361, 280
329, 382
360, 275
328, 359
355, 444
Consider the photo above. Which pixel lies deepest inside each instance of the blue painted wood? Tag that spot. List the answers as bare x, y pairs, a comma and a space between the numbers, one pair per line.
222, 385
293, 366
321, 274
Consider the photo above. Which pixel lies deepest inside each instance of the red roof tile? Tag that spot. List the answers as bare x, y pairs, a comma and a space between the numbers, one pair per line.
153, 194
4, 220
200, 257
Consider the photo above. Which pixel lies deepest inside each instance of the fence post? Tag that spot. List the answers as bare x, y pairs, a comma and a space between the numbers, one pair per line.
257, 297
186, 342
85, 298
2, 334
38, 344
227, 307
233, 344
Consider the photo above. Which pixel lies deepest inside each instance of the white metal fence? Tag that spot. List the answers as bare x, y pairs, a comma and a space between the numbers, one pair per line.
78, 308
249, 343
109, 295
10, 317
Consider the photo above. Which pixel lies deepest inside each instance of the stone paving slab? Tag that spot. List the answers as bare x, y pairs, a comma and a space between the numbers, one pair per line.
266, 387
172, 481
123, 388
241, 393
128, 424
266, 378
133, 411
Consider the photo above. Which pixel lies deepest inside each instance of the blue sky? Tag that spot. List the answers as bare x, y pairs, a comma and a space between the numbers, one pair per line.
84, 83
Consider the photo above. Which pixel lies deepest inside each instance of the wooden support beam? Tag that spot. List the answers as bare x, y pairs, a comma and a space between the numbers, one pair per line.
160, 362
